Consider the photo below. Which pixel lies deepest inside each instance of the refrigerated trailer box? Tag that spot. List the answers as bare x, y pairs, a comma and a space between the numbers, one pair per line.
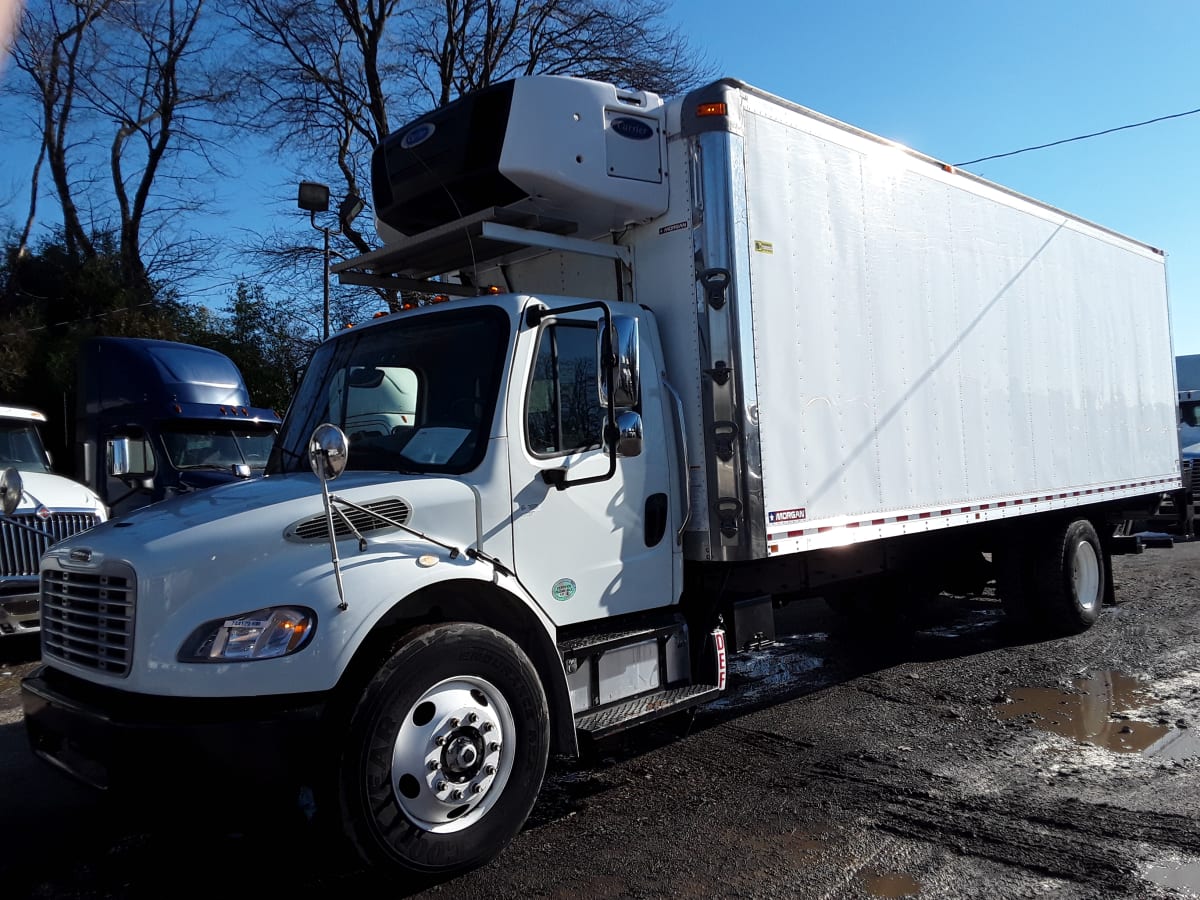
709, 355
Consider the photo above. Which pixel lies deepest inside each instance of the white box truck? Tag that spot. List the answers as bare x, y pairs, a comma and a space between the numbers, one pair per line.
704, 352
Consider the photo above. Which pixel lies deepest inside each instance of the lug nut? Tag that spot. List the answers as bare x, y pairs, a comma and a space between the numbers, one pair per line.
477, 789
434, 765
489, 770
441, 786
456, 794
485, 727
454, 723
440, 740
472, 718
493, 746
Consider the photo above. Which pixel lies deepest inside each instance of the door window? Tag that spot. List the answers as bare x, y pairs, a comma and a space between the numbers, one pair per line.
562, 412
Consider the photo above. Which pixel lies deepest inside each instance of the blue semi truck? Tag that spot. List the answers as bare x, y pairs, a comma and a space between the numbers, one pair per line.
160, 418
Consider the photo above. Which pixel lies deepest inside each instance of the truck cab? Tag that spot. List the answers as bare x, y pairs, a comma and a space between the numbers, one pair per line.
158, 418
47, 508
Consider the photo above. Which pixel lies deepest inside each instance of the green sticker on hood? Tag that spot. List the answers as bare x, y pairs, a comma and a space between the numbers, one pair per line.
564, 589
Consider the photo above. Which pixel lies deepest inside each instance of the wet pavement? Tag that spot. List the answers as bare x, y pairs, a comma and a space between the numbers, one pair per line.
958, 760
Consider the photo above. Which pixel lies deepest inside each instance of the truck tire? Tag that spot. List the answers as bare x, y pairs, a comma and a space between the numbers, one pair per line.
445, 752
1070, 570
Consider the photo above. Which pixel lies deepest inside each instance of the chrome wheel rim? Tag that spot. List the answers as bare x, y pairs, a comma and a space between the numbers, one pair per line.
453, 754
1085, 576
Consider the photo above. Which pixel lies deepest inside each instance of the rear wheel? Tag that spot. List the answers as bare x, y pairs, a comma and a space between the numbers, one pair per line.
445, 753
1071, 574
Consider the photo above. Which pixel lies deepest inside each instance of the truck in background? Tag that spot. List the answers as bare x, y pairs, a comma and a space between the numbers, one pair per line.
1187, 380
710, 351
46, 508
159, 418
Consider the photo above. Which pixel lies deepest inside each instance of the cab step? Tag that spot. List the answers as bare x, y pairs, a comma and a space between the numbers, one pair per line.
647, 708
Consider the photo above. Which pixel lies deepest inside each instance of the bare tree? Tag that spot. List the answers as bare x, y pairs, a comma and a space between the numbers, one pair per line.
52, 49
335, 76
124, 89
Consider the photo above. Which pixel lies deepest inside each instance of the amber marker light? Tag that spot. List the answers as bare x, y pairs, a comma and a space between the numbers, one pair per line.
712, 109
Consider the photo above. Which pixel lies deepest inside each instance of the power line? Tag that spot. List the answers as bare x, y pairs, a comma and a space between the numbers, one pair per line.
1082, 137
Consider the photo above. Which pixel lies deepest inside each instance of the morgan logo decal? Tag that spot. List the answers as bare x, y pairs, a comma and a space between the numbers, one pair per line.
634, 129
787, 515
418, 135
667, 229
563, 589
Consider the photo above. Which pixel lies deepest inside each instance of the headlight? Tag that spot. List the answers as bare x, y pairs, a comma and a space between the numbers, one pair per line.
262, 634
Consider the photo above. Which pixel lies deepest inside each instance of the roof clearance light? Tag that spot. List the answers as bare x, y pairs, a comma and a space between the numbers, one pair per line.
178, 408
380, 314
408, 304
712, 109
493, 289
440, 298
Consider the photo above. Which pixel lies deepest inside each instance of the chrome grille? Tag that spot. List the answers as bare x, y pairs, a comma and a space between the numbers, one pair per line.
315, 529
87, 617
21, 549
1191, 475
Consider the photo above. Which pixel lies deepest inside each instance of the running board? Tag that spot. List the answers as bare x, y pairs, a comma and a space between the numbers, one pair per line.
646, 708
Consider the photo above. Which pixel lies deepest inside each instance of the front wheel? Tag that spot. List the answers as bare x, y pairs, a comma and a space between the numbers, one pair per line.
445, 752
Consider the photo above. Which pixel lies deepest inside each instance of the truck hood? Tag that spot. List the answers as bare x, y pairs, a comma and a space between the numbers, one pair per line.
201, 479
239, 517
57, 494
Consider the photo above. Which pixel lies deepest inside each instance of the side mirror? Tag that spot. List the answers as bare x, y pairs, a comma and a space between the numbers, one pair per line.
11, 489
629, 434
328, 451
129, 458
619, 360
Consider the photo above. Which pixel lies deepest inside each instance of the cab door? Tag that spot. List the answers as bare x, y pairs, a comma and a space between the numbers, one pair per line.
602, 547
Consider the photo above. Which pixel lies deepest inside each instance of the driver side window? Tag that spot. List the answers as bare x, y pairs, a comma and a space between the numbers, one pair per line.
562, 410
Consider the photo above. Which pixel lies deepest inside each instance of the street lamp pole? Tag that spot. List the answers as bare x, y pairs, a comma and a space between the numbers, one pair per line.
325, 331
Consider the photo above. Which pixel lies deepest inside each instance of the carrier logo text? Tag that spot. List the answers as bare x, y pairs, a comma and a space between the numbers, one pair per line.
787, 515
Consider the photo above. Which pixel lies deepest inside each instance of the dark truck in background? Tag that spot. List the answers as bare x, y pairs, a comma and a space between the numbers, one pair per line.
160, 418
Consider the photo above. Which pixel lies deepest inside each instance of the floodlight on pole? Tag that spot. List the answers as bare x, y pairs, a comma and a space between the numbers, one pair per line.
314, 198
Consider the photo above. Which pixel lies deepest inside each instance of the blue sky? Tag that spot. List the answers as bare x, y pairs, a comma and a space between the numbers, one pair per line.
961, 81
955, 82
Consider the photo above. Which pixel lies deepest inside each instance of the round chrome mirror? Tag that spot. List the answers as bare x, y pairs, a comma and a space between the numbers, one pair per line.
11, 489
629, 434
328, 451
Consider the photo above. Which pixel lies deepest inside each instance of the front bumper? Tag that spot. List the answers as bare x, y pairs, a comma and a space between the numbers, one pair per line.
115, 739
19, 608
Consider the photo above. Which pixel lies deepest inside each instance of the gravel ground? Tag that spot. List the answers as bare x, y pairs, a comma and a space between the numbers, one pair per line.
958, 761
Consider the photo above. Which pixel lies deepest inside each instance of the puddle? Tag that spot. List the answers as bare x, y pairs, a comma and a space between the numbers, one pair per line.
1178, 875
890, 884
1094, 713
759, 674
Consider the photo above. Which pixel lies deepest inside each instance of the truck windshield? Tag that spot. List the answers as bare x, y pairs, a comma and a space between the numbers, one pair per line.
414, 394
218, 448
21, 447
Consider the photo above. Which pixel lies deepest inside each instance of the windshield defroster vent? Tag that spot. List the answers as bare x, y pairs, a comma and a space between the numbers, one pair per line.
315, 529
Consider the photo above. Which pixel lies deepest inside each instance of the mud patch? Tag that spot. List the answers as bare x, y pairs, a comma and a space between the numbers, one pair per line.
1102, 710
890, 884
787, 665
